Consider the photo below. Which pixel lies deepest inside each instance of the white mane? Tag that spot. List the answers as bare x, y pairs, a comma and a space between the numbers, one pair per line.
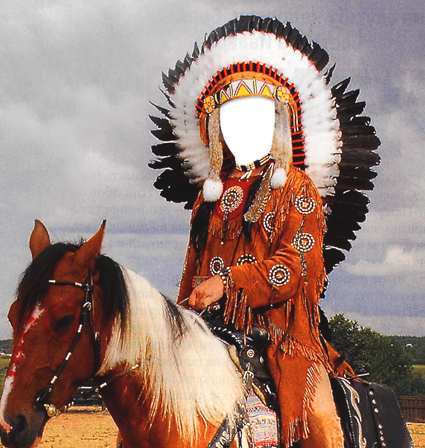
192, 376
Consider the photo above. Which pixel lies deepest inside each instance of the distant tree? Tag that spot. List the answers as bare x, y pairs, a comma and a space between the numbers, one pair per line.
415, 345
383, 357
6, 345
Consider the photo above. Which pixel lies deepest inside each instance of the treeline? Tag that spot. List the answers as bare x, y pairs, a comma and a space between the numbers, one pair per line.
6, 345
385, 359
414, 345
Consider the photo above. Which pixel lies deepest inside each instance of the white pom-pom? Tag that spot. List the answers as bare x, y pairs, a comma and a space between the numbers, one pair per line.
278, 179
212, 190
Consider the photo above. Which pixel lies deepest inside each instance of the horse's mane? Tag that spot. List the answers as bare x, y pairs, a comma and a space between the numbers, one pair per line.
35, 282
189, 372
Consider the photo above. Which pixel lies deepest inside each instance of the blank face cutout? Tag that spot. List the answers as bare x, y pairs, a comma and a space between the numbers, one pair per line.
247, 125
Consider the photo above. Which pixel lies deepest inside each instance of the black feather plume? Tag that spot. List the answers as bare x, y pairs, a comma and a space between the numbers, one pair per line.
349, 205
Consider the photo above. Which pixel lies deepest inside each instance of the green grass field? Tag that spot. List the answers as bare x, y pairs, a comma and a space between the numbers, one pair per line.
419, 369
4, 362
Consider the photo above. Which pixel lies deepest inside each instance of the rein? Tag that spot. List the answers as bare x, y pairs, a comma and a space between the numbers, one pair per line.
227, 431
87, 287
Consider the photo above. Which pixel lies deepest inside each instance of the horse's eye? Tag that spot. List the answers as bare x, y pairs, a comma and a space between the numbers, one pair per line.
66, 321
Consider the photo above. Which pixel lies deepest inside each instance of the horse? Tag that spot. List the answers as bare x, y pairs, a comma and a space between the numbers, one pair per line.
165, 379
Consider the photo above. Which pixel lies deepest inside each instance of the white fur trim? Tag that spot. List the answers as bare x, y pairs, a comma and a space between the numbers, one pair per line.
320, 125
212, 190
278, 179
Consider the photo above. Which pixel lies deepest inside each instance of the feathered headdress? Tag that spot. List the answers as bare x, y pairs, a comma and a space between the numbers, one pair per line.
262, 56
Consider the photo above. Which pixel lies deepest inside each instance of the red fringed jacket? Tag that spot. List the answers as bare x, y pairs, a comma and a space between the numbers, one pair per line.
275, 280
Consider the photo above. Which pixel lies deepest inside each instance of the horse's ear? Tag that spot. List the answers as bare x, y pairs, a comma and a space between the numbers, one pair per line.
39, 238
88, 252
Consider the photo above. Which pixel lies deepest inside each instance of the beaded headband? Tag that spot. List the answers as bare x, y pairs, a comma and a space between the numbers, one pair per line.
242, 80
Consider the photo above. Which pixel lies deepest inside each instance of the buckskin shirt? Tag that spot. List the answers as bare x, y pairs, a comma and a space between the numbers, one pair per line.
274, 279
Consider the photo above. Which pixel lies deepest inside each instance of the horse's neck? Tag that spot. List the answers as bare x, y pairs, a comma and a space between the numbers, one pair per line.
188, 369
128, 400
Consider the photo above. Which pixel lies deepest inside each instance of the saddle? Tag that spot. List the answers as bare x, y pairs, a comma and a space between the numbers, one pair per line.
370, 414
257, 423
250, 348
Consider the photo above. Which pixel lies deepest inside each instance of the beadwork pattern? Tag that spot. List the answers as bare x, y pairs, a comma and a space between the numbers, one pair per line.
216, 265
303, 242
304, 205
246, 259
279, 275
268, 222
232, 199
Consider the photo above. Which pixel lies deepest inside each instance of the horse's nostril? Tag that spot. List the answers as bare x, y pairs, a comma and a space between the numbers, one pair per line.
20, 425
14, 437
17, 435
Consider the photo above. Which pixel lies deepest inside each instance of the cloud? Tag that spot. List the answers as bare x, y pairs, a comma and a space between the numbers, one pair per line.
387, 324
398, 261
77, 77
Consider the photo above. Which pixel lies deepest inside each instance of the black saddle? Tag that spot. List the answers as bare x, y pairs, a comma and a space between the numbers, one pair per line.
250, 348
370, 414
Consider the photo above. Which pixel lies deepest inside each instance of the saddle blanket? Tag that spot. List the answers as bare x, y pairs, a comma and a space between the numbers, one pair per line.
263, 423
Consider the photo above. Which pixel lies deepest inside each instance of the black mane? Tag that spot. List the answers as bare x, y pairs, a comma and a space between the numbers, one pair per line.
35, 282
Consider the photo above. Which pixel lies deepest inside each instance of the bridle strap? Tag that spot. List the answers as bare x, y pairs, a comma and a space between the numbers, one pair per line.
43, 397
83, 322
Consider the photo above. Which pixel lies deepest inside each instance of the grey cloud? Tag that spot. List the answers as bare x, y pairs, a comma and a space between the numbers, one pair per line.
77, 77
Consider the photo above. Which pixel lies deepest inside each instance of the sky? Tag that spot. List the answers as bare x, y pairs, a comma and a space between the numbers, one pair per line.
76, 81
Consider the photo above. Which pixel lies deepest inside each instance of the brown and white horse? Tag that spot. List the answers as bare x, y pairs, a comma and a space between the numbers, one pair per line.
78, 315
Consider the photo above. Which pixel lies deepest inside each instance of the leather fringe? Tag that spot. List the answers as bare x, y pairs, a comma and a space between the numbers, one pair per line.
290, 346
282, 208
298, 428
232, 231
236, 311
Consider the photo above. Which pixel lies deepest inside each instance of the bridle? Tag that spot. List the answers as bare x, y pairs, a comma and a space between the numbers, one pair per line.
87, 287
226, 433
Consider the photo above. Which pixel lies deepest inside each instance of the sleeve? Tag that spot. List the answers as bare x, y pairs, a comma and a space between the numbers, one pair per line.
189, 268
188, 273
297, 259
339, 365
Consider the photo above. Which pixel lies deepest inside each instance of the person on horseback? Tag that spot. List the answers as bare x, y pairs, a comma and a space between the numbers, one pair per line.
255, 129
260, 244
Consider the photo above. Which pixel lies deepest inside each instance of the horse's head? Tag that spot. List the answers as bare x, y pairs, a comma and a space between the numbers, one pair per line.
50, 320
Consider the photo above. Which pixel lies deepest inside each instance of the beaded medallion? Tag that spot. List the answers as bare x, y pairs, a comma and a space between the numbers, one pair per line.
231, 199
279, 275
246, 259
303, 242
216, 265
304, 205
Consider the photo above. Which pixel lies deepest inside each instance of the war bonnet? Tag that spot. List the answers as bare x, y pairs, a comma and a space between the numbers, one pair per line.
262, 56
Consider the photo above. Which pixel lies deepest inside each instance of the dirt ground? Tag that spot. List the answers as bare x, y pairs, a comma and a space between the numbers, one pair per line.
418, 434
91, 427
80, 427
